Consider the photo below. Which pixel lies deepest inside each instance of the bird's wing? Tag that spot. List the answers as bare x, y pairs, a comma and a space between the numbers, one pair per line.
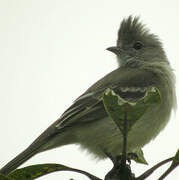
89, 106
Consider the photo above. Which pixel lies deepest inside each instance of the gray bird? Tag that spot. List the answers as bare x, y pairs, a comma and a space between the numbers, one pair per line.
142, 64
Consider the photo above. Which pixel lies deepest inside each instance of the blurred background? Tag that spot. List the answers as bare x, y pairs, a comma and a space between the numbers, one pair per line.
51, 51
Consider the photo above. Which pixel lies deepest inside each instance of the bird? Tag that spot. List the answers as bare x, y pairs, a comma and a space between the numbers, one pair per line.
142, 64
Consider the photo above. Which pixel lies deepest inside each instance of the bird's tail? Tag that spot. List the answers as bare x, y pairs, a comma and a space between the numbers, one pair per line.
36, 147
18, 160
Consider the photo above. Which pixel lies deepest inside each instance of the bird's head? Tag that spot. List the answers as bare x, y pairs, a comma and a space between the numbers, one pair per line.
135, 44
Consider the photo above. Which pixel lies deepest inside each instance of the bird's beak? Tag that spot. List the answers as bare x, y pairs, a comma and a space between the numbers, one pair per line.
114, 49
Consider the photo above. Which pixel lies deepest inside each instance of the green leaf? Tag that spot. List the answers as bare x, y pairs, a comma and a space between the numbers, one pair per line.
117, 107
35, 171
2, 177
138, 156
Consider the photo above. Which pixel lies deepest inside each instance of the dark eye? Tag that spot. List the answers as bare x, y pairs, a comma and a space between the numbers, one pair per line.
137, 45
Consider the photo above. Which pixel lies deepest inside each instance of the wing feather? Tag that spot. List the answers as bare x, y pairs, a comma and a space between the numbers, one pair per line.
89, 106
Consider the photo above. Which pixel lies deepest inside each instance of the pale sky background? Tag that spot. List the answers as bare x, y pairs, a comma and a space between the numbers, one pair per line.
51, 51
